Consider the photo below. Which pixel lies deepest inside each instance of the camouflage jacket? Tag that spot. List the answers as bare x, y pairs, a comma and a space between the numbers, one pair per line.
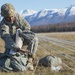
8, 30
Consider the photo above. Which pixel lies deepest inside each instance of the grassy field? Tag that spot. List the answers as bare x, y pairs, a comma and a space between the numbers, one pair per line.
54, 47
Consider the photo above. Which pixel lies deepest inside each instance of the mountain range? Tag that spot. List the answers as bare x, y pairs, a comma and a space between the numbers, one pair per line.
49, 16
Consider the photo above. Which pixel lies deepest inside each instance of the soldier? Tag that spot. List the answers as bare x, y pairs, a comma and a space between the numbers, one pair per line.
10, 23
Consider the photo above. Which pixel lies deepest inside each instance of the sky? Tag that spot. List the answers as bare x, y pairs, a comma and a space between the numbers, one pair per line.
38, 5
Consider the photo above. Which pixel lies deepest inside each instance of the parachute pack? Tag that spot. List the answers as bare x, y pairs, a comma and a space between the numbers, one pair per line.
55, 63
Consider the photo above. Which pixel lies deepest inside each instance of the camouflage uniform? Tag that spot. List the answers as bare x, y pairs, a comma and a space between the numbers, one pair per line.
8, 30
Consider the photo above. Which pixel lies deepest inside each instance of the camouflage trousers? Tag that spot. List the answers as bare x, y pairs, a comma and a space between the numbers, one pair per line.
32, 41
33, 45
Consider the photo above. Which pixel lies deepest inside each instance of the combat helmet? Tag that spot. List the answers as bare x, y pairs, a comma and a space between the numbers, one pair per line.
7, 9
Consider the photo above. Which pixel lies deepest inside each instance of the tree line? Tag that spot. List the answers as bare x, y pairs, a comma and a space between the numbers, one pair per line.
60, 27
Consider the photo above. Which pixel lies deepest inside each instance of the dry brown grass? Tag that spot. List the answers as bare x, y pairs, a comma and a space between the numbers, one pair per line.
43, 50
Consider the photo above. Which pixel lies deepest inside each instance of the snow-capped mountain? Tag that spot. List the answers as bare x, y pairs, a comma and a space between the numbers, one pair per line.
27, 12
51, 16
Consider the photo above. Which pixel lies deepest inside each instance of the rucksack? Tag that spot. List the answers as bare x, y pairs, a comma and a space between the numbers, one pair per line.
54, 62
